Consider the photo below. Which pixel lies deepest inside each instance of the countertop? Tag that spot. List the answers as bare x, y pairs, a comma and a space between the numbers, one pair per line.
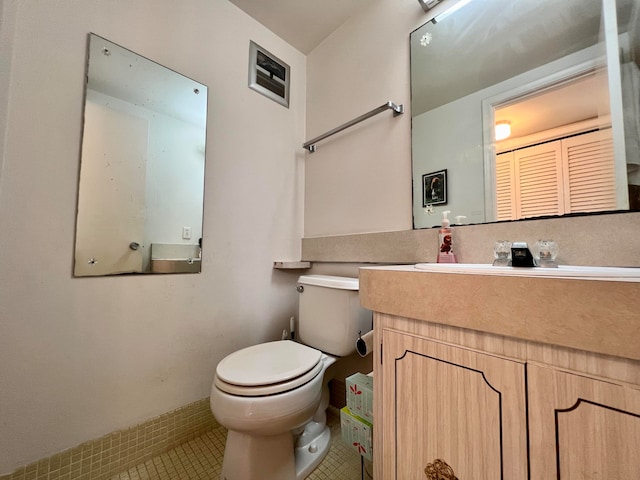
594, 315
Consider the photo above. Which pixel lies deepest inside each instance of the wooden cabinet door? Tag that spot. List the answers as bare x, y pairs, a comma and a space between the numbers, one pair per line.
581, 427
453, 404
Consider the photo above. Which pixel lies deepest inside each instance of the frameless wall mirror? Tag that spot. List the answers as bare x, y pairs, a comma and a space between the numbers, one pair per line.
141, 191
560, 79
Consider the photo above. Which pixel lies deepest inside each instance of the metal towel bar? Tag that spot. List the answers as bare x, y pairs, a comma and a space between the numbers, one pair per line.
397, 110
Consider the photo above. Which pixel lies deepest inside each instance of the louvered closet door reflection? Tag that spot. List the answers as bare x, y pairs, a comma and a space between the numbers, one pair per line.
539, 180
590, 183
505, 187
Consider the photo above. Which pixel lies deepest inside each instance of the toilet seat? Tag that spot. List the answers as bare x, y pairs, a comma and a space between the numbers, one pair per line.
268, 368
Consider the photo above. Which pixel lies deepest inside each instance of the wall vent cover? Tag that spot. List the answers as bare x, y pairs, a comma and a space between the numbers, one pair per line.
268, 74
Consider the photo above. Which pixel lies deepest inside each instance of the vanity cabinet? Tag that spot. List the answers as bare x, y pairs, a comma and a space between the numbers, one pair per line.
451, 404
493, 417
504, 386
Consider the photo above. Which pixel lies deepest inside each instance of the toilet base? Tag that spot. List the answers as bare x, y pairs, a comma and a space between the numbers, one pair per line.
248, 457
309, 455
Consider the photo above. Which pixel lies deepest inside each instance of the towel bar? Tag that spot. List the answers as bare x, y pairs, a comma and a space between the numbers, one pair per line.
397, 110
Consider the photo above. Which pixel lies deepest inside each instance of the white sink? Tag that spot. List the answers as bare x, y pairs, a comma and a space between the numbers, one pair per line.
563, 271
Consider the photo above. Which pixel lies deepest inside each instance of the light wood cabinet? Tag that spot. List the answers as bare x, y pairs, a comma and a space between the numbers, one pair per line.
504, 377
582, 427
493, 407
452, 404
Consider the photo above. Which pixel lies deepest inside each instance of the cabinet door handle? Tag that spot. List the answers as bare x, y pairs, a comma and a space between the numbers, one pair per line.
439, 470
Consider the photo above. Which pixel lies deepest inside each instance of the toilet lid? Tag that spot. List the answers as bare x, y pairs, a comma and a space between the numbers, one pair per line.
274, 388
268, 363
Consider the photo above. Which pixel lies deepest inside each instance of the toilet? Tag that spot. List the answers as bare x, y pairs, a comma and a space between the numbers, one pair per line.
272, 397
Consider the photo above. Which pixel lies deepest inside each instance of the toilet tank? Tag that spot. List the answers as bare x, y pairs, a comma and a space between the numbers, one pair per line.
329, 314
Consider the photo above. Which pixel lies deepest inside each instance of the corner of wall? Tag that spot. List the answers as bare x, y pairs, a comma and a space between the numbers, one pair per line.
8, 12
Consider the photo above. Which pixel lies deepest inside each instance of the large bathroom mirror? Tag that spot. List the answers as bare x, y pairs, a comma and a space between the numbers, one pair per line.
140, 198
560, 77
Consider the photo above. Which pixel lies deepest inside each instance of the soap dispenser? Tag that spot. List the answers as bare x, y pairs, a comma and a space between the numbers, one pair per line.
445, 241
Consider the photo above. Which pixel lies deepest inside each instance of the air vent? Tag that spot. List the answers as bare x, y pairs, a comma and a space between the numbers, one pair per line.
268, 74
428, 4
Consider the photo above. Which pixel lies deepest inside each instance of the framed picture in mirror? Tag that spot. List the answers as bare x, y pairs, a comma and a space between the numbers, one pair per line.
434, 188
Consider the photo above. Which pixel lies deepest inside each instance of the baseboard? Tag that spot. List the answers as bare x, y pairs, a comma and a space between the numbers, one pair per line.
117, 452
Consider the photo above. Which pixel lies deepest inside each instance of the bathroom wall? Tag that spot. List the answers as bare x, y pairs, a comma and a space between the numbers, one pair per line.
359, 181
82, 357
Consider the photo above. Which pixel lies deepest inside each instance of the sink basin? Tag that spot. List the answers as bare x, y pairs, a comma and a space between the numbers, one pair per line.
563, 271
175, 265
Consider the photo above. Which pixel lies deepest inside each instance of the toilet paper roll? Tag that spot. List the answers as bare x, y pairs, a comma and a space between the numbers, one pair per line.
364, 344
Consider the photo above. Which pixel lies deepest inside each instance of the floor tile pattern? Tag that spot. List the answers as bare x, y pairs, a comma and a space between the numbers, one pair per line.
101, 458
201, 459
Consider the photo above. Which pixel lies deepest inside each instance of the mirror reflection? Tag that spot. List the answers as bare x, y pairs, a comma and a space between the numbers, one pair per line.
549, 74
140, 198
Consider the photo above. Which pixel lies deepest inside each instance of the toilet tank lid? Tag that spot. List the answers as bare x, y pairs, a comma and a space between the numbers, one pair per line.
330, 281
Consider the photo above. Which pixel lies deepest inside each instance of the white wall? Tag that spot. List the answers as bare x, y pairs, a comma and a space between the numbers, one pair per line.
111, 213
82, 357
176, 158
450, 137
360, 180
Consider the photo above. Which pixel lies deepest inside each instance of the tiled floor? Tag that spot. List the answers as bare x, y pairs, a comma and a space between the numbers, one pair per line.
201, 459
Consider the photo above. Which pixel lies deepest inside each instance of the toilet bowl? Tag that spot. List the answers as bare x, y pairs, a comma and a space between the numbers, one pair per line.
272, 397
